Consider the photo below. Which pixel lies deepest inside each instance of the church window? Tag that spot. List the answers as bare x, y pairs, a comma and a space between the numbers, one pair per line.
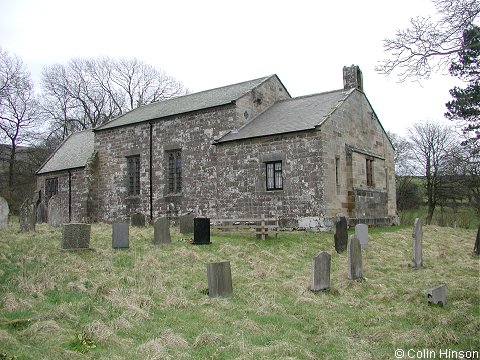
274, 175
174, 172
133, 173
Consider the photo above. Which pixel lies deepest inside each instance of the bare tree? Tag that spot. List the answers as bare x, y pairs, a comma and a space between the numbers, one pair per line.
18, 107
431, 145
88, 92
430, 45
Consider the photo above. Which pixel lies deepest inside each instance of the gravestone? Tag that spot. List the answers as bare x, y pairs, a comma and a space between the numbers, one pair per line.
41, 213
476, 248
354, 254
219, 279
417, 236
437, 295
120, 233
201, 231
161, 232
186, 224
27, 216
138, 220
4, 210
321, 271
75, 236
341, 235
55, 214
361, 233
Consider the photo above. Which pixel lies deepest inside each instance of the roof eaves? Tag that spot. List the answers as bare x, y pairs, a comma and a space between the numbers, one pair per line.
262, 136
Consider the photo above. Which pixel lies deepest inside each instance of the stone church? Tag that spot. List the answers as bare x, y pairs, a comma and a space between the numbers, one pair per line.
239, 151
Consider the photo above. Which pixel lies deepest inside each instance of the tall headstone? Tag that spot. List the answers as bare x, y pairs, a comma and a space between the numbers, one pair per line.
321, 271
4, 210
27, 216
41, 213
161, 232
201, 231
341, 235
186, 224
138, 220
75, 236
219, 279
476, 248
417, 235
120, 235
55, 213
437, 295
354, 252
361, 233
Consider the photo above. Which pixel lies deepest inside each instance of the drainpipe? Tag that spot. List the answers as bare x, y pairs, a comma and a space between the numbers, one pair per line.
151, 172
69, 196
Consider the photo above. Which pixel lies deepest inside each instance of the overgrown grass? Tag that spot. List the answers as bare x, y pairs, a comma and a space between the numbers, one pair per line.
460, 216
150, 302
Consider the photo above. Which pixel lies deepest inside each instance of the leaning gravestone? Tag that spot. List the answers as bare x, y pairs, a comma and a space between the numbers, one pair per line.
321, 271
354, 258
361, 233
219, 279
201, 231
417, 236
138, 219
4, 210
55, 214
476, 248
27, 216
120, 232
341, 235
186, 224
75, 236
161, 232
437, 295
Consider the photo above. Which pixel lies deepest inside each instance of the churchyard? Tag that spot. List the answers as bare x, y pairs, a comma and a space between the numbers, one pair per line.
143, 299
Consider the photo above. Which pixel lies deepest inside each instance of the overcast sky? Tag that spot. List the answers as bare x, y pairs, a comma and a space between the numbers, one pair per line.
209, 43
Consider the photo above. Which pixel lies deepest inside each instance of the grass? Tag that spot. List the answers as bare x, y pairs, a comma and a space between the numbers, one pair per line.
461, 216
150, 302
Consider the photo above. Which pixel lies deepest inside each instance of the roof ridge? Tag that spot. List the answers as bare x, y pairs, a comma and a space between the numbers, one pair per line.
258, 81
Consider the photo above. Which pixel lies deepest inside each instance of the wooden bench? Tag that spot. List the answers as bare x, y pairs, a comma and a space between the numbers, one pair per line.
261, 227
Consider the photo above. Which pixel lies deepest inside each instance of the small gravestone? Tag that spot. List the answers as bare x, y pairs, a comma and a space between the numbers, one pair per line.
120, 233
354, 254
27, 216
219, 279
41, 213
321, 271
161, 232
201, 231
186, 224
341, 235
75, 236
476, 248
437, 295
417, 236
4, 210
138, 220
361, 233
55, 213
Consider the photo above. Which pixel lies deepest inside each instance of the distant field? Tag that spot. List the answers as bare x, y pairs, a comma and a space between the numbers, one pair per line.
150, 302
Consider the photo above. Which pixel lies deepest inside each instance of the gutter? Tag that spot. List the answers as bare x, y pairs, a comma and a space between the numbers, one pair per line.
150, 173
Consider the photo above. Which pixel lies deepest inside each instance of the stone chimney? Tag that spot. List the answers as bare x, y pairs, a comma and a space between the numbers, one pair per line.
352, 78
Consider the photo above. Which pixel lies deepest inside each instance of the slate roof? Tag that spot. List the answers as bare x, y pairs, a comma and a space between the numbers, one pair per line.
183, 104
297, 114
72, 153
